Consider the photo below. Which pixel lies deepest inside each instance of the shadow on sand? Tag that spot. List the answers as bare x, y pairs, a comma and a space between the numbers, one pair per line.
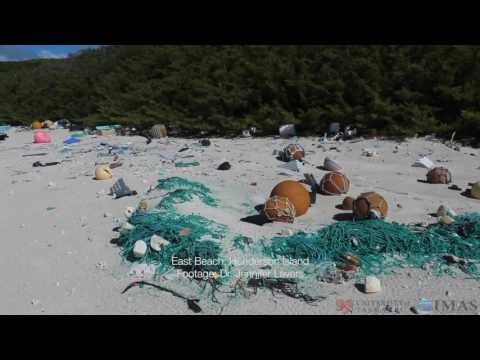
343, 217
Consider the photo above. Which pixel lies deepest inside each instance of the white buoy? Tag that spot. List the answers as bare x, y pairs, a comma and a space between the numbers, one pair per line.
157, 242
372, 285
139, 249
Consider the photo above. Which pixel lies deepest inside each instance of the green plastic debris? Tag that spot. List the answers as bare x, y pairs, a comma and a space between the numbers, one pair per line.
107, 127
79, 134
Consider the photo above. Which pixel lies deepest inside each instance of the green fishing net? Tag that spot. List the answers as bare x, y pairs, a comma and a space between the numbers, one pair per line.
202, 240
381, 245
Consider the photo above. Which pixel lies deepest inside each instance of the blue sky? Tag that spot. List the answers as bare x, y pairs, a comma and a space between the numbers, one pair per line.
24, 52
55, 50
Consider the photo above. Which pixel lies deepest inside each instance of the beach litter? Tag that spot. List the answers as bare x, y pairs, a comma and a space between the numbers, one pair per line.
120, 189
186, 164
293, 165
372, 285
331, 165
424, 162
224, 166
369, 153
287, 131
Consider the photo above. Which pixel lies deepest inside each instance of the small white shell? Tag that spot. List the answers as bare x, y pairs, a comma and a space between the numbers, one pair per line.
157, 242
372, 284
139, 249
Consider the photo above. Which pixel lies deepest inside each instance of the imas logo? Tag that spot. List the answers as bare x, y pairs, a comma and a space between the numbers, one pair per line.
456, 306
428, 307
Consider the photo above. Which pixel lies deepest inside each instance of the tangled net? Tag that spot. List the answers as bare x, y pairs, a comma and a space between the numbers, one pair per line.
201, 241
381, 245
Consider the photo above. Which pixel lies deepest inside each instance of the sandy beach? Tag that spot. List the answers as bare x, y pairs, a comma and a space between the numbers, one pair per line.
57, 222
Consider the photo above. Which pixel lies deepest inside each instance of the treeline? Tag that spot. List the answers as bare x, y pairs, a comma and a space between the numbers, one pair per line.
384, 90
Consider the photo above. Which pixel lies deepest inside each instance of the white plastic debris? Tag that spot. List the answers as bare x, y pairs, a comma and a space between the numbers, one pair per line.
445, 211
446, 220
424, 162
331, 165
369, 153
287, 131
293, 165
246, 134
126, 227
157, 242
372, 285
139, 249
129, 211
142, 270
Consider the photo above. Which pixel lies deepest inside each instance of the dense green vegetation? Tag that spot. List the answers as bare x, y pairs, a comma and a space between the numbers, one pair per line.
390, 90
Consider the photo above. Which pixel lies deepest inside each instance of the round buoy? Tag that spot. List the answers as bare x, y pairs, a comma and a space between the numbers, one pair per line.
294, 152
439, 175
279, 209
347, 203
158, 131
103, 173
36, 125
334, 183
370, 205
295, 193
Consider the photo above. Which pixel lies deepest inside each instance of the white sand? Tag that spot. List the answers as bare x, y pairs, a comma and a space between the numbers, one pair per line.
61, 261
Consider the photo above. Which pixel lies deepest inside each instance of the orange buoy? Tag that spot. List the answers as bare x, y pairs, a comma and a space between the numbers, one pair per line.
334, 183
295, 193
294, 152
370, 205
347, 203
36, 125
279, 209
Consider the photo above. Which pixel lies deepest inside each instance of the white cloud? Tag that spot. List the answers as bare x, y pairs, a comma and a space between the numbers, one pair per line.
45, 54
4, 58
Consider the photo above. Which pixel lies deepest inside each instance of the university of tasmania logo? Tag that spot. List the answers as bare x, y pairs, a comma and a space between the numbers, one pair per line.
345, 306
